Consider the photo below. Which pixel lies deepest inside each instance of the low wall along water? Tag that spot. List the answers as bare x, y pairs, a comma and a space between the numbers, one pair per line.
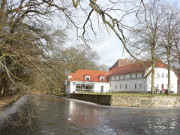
99, 99
131, 101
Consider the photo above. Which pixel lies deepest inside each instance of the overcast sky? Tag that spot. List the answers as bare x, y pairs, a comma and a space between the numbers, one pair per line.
109, 48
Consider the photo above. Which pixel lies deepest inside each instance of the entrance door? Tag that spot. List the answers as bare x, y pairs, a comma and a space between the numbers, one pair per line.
163, 88
102, 88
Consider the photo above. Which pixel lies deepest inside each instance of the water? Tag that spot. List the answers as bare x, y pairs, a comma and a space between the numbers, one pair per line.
58, 116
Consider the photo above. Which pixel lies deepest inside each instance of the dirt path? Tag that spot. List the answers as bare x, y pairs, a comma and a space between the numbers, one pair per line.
4, 101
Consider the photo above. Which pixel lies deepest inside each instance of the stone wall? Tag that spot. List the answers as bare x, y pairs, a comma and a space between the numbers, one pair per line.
99, 99
146, 101
131, 101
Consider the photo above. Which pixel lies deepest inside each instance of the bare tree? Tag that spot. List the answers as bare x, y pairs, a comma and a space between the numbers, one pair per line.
170, 32
24, 39
114, 17
148, 32
81, 57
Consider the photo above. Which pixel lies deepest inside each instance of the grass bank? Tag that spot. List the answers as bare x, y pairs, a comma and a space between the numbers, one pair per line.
127, 94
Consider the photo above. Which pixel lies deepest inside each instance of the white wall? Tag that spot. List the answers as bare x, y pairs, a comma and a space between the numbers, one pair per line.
72, 87
159, 79
115, 85
98, 85
129, 79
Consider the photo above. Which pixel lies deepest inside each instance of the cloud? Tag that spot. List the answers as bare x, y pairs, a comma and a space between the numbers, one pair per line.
109, 49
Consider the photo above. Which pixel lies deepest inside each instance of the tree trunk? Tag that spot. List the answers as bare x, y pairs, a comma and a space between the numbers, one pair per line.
0, 87
153, 72
169, 76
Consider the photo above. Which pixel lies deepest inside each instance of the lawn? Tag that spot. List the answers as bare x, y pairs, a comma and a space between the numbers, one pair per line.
126, 94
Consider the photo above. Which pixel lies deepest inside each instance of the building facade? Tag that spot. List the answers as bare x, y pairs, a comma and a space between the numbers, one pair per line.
137, 78
87, 81
129, 78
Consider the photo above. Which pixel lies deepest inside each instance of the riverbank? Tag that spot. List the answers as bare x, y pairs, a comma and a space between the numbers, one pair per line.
131, 101
5, 101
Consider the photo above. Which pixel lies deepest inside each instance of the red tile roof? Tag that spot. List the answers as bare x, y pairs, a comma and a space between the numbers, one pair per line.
122, 62
94, 75
136, 67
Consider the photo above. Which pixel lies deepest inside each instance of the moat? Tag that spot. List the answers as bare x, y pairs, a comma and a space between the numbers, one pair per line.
52, 115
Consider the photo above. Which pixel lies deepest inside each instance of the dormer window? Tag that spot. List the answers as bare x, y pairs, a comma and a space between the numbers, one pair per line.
87, 78
102, 79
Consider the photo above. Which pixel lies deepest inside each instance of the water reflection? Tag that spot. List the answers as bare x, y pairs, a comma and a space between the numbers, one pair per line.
63, 116
84, 116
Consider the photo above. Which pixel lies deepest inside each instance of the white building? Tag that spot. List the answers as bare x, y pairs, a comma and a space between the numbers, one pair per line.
87, 80
137, 78
129, 78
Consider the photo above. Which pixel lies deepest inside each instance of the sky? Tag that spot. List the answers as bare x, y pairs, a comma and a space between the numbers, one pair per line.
109, 47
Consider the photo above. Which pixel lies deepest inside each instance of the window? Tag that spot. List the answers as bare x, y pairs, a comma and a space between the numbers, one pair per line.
120, 86
87, 78
162, 75
158, 86
102, 79
84, 87
87, 87
78, 87
125, 86
140, 85
102, 88
158, 75
135, 86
